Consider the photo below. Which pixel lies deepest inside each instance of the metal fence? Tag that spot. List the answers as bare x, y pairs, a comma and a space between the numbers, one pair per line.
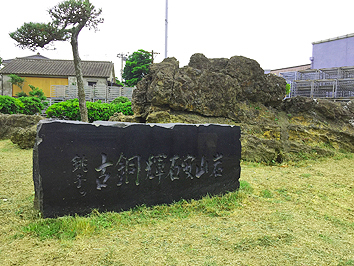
335, 83
105, 94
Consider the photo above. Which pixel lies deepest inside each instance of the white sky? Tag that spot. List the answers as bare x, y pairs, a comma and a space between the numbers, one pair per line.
276, 33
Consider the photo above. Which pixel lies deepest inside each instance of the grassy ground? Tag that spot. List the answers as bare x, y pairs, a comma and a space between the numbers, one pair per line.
296, 214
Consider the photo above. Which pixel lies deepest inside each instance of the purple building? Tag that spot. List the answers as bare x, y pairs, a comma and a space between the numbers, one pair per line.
334, 52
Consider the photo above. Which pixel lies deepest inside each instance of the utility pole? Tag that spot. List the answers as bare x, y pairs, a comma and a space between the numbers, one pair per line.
123, 57
152, 55
166, 26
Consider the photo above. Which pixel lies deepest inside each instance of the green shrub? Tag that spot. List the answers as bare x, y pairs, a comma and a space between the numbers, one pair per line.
10, 105
31, 105
37, 92
120, 99
68, 110
288, 88
21, 94
96, 110
125, 108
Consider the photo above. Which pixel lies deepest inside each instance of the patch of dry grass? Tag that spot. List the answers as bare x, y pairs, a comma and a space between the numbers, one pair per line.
300, 214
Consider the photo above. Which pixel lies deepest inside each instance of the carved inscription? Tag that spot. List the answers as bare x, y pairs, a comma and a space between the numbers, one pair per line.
79, 168
116, 166
102, 179
157, 166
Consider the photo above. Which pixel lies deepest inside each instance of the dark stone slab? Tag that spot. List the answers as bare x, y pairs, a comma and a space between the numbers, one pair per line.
114, 166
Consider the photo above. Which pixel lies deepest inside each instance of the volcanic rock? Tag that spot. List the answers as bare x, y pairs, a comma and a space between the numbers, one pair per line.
211, 87
236, 91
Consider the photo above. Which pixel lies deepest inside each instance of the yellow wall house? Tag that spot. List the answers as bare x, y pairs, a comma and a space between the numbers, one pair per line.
44, 73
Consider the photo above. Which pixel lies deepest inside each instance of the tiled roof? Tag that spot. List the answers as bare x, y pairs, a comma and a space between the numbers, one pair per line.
36, 56
50, 67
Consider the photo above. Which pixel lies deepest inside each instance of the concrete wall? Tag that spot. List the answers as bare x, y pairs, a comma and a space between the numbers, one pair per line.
336, 52
99, 81
5, 86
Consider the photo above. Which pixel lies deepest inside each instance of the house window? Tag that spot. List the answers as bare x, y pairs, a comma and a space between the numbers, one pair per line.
92, 83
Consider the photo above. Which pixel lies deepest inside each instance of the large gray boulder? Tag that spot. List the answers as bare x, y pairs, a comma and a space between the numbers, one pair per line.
25, 137
211, 87
236, 91
9, 124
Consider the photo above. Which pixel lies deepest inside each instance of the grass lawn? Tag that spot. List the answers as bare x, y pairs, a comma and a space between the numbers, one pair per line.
291, 214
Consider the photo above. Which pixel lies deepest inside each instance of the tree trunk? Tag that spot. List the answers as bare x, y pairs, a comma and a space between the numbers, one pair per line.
79, 77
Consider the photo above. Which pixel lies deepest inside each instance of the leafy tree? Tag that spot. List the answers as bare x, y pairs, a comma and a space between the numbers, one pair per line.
136, 67
118, 82
16, 80
68, 19
0, 61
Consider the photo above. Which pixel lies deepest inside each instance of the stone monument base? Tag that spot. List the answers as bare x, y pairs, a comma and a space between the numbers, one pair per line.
114, 166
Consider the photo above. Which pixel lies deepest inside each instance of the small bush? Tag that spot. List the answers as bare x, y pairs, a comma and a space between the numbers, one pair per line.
31, 105
10, 105
125, 108
21, 94
68, 110
120, 99
96, 110
99, 111
37, 92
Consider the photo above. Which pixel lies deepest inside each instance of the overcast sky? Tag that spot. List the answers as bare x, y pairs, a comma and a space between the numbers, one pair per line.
276, 33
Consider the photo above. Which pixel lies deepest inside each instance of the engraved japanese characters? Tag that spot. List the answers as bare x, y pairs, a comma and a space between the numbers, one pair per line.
114, 166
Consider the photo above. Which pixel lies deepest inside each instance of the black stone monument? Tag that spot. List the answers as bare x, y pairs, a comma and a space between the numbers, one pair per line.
114, 166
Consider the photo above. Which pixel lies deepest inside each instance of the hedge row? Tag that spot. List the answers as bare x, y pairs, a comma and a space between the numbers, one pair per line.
21, 105
69, 110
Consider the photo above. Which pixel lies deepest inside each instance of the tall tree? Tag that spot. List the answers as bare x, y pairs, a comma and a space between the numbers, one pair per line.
136, 67
68, 19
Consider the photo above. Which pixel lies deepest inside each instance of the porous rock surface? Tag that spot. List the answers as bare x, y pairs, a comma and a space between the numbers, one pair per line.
24, 137
236, 91
21, 129
210, 87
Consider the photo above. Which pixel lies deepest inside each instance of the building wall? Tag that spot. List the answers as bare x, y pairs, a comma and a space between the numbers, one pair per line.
99, 81
42, 83
337, 52
6, 86
46, 83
